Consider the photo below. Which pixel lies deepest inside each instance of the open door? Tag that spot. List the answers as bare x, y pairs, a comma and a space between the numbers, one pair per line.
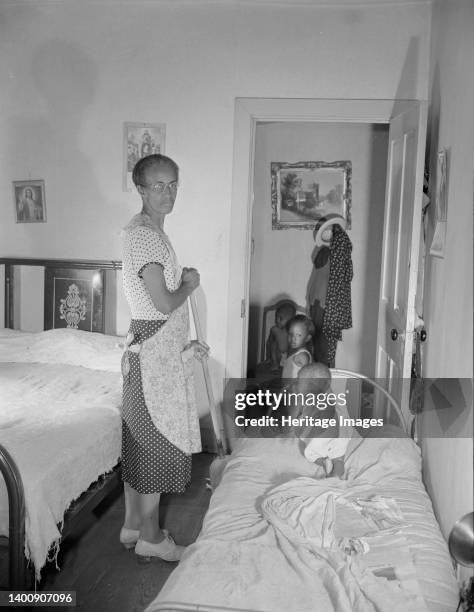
400, 251
407, 120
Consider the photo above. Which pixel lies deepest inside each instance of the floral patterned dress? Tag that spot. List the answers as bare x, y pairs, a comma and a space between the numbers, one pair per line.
160, 426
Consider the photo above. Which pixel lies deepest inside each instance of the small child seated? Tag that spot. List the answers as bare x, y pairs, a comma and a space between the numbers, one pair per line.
300, 330
277, 343
324, 447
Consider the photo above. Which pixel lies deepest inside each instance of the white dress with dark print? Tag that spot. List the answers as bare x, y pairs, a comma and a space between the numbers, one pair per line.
160, 426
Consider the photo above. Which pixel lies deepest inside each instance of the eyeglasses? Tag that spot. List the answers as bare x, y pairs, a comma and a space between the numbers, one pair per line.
161, 187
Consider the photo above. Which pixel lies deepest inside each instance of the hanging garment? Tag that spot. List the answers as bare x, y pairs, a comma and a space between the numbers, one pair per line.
316, 297
318, 281
338, 307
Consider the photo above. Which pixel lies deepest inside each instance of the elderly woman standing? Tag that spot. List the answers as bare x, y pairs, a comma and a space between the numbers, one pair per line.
160, 427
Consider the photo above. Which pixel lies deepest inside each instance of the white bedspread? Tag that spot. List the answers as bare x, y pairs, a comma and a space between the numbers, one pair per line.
61, 424
240, 561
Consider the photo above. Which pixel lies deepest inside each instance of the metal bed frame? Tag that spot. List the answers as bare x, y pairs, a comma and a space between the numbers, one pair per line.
19, 575
392, 403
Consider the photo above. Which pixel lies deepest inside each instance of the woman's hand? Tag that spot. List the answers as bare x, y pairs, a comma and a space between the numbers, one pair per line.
198, 350
191, 278
201, 349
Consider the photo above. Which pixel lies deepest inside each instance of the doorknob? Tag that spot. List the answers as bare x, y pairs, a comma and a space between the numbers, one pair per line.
395, 334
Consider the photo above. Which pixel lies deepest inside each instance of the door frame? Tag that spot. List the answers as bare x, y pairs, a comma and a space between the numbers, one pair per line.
249, 112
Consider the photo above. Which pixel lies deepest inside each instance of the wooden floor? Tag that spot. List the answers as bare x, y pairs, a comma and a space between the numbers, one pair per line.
104, 575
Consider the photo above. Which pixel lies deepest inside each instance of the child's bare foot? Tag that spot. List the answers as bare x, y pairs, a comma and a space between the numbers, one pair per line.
328, 466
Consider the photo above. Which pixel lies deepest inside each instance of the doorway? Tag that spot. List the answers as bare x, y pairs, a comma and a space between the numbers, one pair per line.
281, 260
407, 135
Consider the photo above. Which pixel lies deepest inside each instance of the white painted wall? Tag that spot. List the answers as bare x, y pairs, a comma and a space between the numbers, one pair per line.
281, 261
448, 462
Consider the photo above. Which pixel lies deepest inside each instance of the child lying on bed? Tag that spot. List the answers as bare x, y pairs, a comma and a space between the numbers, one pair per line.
323, 446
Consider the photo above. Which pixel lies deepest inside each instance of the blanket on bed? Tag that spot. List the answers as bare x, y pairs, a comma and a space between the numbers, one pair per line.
61, 424
242, 561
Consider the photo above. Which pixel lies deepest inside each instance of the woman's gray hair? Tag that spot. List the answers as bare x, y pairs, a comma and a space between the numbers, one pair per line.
142, 165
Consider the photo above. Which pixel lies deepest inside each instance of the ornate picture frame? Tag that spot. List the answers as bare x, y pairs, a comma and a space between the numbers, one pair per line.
302, 193
29, 201
140, 140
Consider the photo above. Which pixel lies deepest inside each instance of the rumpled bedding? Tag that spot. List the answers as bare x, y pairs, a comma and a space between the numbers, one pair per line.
243, 561
61, 424
336, 521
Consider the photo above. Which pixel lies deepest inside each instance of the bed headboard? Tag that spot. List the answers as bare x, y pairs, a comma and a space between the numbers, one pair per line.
75, 293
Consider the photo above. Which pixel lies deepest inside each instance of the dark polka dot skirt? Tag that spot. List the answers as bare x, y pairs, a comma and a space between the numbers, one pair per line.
150, 463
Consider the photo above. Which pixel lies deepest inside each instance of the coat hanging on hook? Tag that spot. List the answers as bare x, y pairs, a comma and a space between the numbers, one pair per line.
338, 311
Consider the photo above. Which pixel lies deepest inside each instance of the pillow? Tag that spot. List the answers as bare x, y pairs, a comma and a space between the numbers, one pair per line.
377, 459
69, 346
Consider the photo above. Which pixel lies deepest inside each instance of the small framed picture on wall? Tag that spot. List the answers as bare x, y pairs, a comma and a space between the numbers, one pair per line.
29, 201
140, 140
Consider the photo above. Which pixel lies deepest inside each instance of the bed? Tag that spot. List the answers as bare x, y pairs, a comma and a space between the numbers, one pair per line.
60, 398
278, 537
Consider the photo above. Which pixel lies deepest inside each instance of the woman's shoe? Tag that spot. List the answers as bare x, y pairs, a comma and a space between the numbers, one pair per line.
166, 550
129, 537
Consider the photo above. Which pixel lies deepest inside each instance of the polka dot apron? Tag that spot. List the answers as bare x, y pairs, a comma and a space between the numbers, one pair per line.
160, 427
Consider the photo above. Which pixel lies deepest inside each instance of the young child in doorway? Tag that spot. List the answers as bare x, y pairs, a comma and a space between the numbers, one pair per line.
325, 447
277, 343
299, 338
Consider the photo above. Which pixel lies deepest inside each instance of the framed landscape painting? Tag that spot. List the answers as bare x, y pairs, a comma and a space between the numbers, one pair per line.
304, 192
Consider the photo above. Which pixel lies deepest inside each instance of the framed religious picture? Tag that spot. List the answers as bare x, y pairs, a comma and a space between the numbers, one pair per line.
304, 192
29, 201
140, 140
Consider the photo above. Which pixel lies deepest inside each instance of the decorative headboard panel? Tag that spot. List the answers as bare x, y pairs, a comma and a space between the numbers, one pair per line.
74, 298
74, 291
